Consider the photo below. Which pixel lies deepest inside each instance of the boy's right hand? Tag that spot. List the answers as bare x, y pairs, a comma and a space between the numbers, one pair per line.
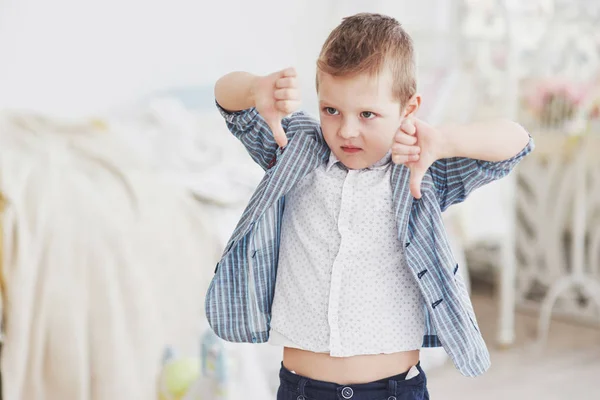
275, 96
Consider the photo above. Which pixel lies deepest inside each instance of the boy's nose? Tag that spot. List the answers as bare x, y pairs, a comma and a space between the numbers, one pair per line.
348, 132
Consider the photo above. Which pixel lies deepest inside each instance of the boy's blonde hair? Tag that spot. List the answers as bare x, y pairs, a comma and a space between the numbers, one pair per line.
367, 43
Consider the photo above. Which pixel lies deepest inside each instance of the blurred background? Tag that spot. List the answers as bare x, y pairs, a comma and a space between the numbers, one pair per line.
120, 185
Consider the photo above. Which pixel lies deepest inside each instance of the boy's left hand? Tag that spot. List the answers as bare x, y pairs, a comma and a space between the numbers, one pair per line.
417, 145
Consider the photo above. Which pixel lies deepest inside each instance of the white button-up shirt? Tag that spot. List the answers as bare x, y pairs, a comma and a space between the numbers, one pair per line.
343, 286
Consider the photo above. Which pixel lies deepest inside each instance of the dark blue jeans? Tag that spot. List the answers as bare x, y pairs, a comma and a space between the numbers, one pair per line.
296, 387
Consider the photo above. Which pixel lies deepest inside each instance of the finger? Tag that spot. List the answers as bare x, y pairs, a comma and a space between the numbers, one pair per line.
402, 149
404, 158
420, 124
278, 132
287, 94
286, 83
416, 177
404, 138
289, 72
287, 106
408, 126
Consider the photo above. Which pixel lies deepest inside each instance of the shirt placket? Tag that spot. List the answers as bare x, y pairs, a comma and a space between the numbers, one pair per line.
342, 258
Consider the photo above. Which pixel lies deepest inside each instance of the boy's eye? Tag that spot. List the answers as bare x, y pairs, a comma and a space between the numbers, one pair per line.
331, 110
367, 115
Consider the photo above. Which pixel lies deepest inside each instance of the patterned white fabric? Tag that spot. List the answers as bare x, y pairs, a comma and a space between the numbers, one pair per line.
343, 285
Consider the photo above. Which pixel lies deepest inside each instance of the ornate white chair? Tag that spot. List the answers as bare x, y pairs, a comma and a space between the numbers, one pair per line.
547, 244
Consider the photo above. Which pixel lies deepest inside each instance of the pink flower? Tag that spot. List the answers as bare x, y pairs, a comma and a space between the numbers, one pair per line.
546, 89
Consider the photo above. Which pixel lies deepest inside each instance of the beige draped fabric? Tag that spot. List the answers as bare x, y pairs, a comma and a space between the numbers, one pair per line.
2, 282
105, 264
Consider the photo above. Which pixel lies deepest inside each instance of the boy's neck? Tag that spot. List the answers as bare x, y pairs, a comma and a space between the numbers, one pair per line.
382, 163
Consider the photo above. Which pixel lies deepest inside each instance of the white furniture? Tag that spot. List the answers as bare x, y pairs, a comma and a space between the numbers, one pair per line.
574, 277
557, 200
534, 39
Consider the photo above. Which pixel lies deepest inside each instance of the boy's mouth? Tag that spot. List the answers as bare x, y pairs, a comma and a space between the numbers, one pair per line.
351, 149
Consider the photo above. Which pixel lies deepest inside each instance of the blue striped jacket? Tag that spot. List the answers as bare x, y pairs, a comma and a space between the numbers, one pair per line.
239, 298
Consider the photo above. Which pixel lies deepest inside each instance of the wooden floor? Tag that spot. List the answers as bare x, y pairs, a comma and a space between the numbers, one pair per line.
567, 368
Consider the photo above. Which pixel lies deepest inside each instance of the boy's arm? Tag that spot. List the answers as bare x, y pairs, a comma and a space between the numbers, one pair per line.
235, 92
492, 141
477, 154
255, 108
461, 158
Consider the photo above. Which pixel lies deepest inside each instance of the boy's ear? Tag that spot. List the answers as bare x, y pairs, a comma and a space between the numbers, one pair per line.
413, 105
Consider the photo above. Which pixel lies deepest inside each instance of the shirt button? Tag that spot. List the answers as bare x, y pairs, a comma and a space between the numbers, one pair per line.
347, 393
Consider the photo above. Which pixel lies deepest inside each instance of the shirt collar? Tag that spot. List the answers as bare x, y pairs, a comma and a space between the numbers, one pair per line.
381, 164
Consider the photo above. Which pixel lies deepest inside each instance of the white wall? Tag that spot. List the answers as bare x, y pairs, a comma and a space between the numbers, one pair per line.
72, 57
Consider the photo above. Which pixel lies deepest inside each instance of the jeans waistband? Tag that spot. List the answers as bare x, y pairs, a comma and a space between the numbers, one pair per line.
394, 385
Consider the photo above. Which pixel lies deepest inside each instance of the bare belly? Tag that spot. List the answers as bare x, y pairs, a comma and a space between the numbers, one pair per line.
348, 370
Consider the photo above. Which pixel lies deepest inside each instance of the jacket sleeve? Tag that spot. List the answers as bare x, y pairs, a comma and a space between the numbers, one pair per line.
254, 133
455, 178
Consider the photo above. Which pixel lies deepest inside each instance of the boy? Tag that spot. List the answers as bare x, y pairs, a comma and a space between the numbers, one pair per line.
365, 276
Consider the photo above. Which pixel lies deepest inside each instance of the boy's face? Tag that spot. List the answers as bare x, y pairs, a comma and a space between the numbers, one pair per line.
359, 116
